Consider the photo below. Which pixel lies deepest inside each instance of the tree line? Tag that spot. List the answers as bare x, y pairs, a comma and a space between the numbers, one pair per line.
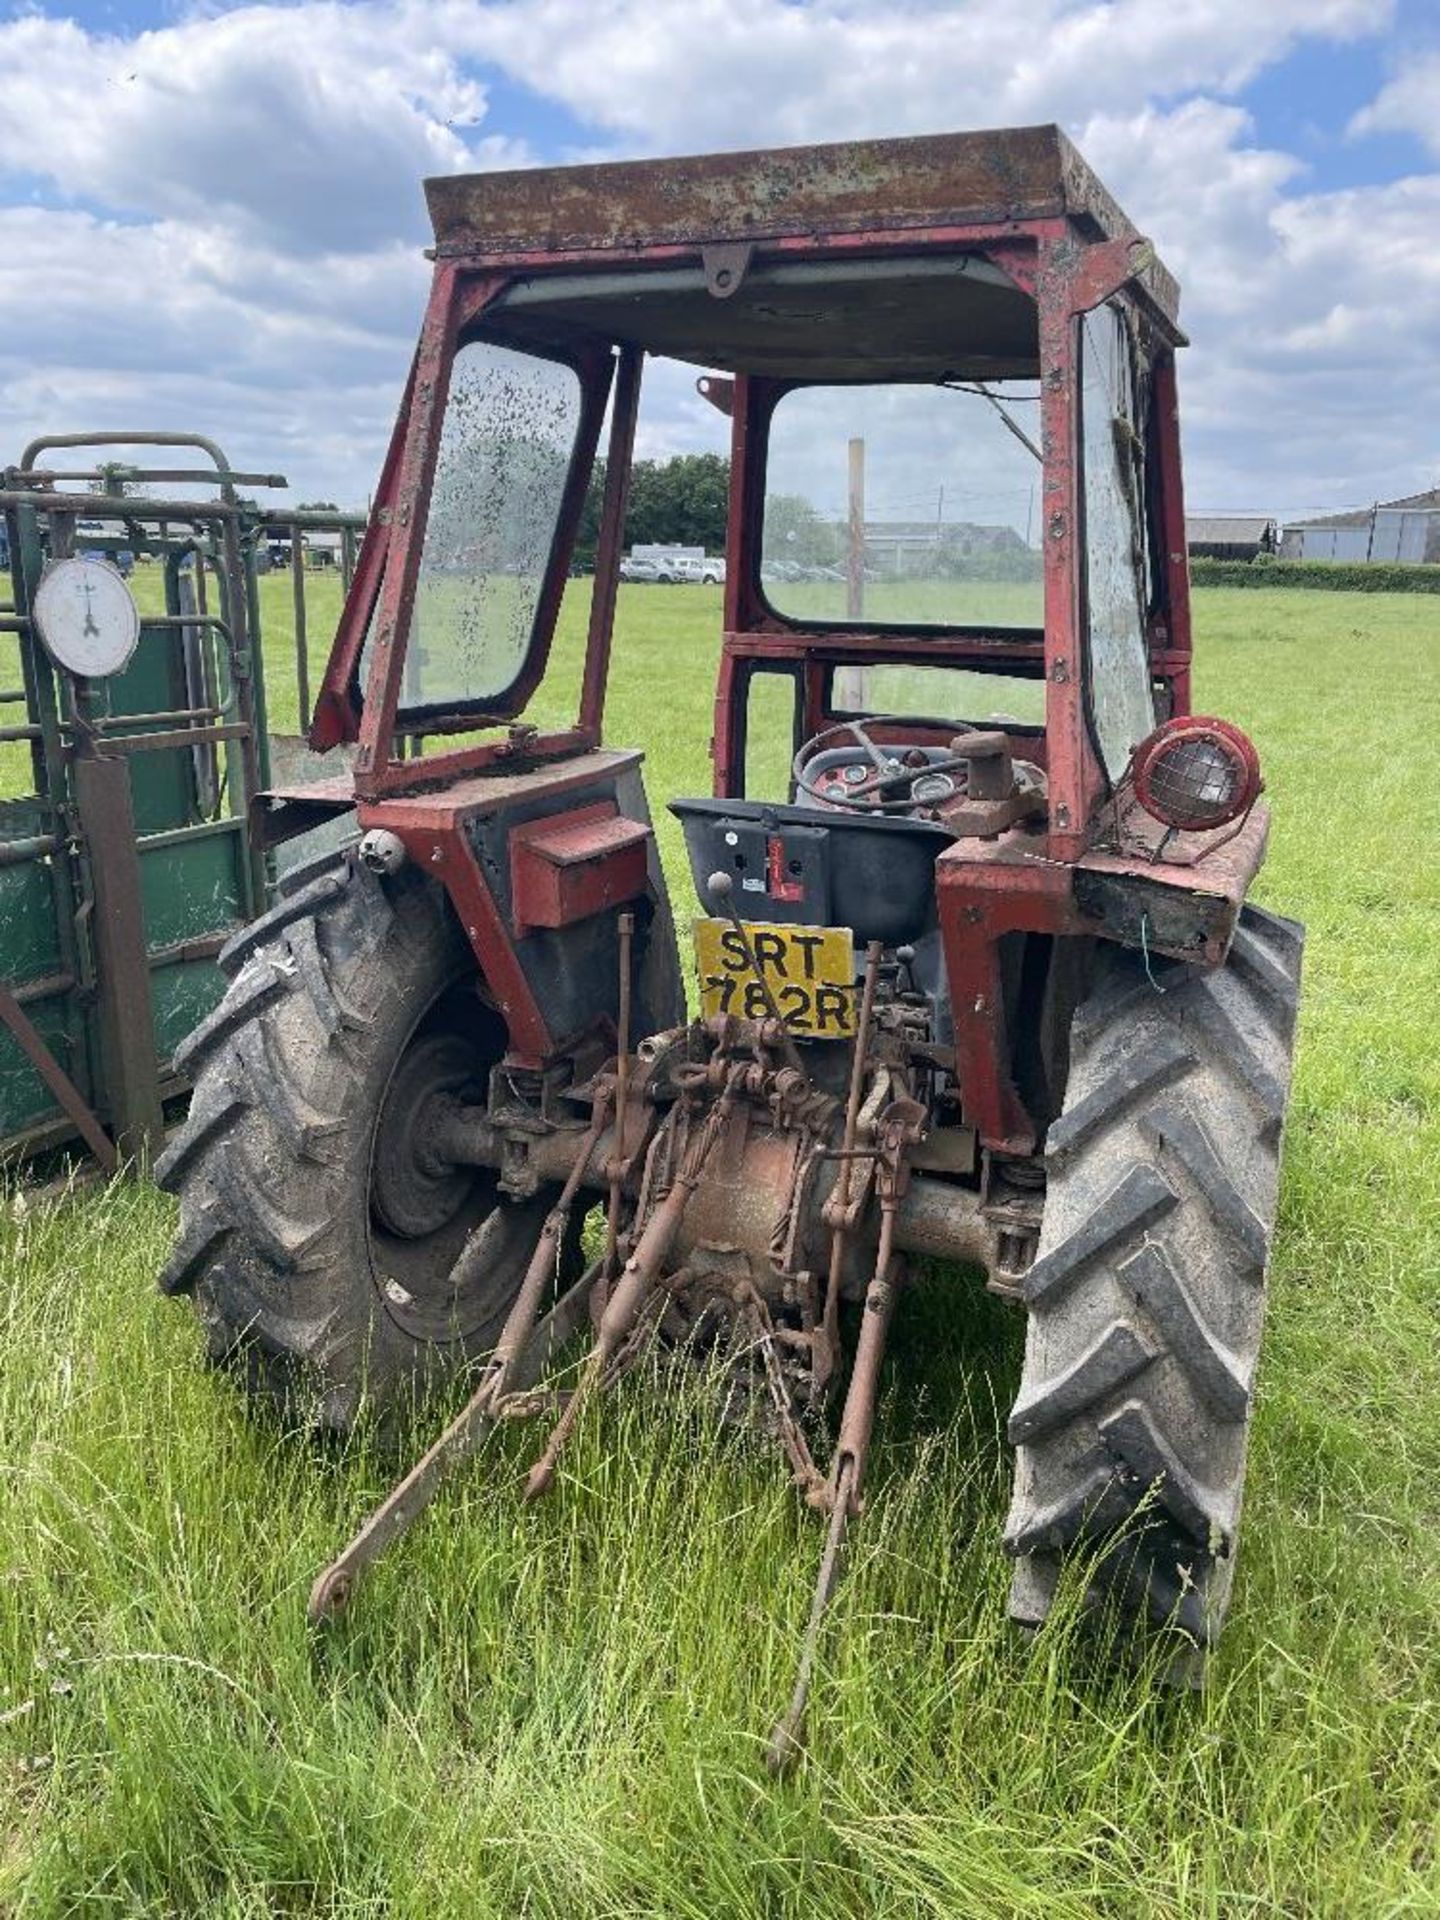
680, 502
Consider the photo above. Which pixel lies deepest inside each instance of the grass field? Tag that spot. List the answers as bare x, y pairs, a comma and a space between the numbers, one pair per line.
559, 1711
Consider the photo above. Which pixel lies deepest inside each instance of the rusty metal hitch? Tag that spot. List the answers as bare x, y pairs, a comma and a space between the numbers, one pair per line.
902, 1126
635, 1287
745, 1119
518, 1360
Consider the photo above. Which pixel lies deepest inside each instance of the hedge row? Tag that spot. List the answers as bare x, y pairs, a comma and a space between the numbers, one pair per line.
1333, 575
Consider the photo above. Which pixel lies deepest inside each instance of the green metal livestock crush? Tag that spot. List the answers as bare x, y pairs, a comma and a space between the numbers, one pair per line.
125, 860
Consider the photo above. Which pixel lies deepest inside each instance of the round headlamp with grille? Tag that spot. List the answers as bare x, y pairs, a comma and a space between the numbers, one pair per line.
1195, 773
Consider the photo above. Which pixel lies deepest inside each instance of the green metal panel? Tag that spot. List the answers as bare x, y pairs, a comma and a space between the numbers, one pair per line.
25, 1100
23, 815
31, 951
193, 886
162, 785
182, 993
27, 915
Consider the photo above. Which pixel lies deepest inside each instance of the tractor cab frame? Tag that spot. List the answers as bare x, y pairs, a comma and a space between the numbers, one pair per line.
1009, 930
925, 261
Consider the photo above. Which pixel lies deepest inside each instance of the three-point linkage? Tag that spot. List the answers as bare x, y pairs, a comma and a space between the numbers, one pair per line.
729, 1105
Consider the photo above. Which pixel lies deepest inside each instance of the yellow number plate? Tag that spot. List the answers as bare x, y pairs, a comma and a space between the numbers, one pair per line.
810, 971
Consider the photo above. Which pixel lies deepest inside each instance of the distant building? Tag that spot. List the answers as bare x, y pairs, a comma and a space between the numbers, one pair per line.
1230, 536
1406, 530
323, 546
886, 540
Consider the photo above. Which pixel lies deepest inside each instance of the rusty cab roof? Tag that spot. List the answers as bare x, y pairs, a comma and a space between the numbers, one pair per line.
844, 262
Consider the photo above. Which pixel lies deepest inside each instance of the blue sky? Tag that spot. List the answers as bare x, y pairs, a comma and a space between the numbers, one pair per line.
1305, 102
212, 215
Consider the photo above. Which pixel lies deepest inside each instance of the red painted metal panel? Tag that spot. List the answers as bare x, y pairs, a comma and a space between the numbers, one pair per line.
1011, 884
1072, 774
446, 853
485, 790
749, 421
856, 647
875, 241
432, 826
572, 865
726, 756
520, 749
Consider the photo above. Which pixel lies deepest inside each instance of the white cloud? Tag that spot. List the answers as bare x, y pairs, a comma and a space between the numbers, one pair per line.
732, 73
293, 368
233, 234
1409, 104
307, 125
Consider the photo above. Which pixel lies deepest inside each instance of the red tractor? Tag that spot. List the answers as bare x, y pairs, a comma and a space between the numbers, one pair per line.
977, 980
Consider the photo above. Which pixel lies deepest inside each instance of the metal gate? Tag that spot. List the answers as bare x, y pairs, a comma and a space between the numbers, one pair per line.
125, 860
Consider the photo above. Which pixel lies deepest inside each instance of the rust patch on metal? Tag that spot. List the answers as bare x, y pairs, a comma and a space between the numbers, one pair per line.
1023, 173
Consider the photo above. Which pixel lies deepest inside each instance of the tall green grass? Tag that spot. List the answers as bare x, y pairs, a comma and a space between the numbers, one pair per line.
560, 1711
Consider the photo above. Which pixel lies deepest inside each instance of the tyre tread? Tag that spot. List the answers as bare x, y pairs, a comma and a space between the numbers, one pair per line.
295, 905
1146, 1297
264, 1165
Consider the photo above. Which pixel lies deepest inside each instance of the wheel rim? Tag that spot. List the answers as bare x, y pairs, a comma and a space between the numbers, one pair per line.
413, 1193
422, 1209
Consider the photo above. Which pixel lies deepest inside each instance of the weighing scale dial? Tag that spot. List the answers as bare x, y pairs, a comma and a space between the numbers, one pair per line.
86, 616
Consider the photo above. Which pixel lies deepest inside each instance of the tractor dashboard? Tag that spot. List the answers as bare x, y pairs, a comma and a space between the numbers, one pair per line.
872, 873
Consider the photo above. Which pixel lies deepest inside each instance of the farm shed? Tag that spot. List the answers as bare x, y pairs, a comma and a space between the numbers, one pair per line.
1229, 536
1405, 530
887, 540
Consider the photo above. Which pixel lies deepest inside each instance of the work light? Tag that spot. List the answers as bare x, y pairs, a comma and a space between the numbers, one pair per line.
1194, 773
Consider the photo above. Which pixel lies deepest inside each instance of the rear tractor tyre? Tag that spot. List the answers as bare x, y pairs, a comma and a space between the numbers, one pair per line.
1147, 1296
317, 1236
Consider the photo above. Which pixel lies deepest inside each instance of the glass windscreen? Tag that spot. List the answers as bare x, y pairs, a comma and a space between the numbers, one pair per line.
1122, 701
899, 505
505, 448
941, 693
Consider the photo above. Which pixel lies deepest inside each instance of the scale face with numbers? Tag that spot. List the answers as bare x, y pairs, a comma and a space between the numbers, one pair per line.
86, 616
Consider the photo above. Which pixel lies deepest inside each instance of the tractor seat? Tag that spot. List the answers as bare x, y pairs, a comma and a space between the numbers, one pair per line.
814, 866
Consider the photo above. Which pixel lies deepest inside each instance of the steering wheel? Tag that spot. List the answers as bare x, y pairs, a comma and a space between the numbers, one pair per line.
818, 782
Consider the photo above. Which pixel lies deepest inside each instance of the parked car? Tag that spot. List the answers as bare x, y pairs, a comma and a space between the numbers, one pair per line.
709, 572
657, 571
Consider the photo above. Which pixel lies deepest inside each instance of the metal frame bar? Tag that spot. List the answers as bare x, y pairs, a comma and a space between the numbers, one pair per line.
610, 544
67, 1095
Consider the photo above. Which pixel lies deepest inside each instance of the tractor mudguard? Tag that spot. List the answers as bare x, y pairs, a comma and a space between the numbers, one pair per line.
539, 909
1184, 901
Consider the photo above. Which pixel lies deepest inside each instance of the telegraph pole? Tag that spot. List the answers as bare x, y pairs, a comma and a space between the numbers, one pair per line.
855, 569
